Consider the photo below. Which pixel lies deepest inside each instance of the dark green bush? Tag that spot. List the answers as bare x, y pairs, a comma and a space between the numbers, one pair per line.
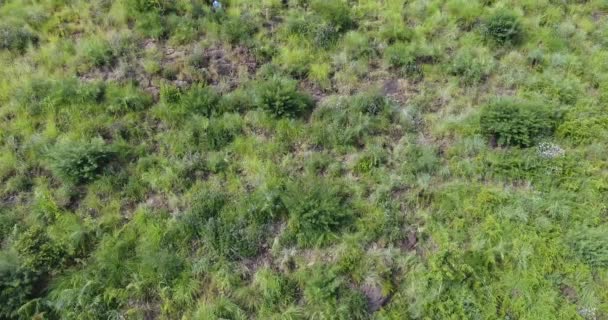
222, 131
239, 29
471, 67
81, 162
16, 38
399, 55
318, 210
202, 100
370, 103
127, 99
160, 6
38, 251
16, 286
336, 13
504, 28
97, 52
516, 123
591, 245
281, 98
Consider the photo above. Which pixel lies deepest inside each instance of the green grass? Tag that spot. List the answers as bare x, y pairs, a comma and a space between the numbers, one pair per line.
421, 159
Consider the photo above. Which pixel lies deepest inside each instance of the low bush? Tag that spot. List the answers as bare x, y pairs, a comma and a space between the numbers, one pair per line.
239, 29
16, 286
591, 245
318, 210
38, 251
471, 66
127, 98
97, 52
202, 100
281, 98
221, 131
516, 123
81, 162
336, 13
504, 28
16, 38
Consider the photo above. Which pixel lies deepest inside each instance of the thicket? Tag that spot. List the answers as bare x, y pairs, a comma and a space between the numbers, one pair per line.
504, 28
517, 123
81, 162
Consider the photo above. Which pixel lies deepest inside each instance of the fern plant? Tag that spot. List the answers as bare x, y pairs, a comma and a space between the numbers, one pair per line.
81, 162
516, 123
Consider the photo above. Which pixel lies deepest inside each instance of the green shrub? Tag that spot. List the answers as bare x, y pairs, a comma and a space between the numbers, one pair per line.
222, 131
318, 210
504, 28
239, 29
591, 245
472, 67
81, 162
202, 100
370, 103
516, 123
328, 295
336, 13
16, 286
38, 251
127, 98
281, 98
39, 95
16, 38
399, 55
159, 6
97, 52
275, 290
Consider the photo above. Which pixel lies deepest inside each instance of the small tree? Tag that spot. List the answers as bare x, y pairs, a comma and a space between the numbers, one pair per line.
516, 123
81, 163
281, 98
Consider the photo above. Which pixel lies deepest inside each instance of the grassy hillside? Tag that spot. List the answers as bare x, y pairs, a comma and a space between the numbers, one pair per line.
304, 159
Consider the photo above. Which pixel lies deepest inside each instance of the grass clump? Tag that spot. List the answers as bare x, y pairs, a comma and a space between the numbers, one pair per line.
280, 97
516, 123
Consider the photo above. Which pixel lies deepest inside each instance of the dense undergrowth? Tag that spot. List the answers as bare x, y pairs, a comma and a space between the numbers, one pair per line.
304, 159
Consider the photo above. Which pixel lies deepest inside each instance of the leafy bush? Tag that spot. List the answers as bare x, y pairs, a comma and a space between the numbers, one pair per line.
317, 211
328, 295
128, 98
81, 162
16, 38
239, 29
336, 13
97, 52
201, 100
370, 103
504, 28
221, 131
38, 251
160, 6
591, 245
16, 286
399, 55
516, 123
281, 98
473, 67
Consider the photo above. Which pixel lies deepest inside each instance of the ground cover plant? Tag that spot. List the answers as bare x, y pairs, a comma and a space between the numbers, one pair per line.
303, 159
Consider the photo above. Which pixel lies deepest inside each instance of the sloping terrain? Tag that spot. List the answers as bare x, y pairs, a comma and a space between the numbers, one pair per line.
304, 159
